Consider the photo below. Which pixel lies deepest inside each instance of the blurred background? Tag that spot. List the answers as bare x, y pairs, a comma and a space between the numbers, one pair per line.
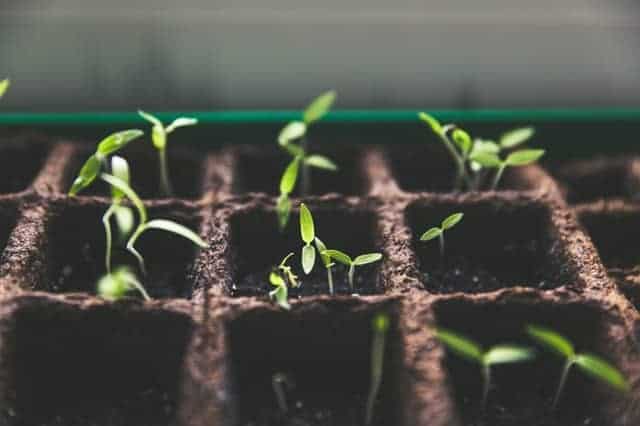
70, 55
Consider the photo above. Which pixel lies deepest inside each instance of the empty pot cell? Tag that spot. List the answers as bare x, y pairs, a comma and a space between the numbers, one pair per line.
21, 163
324, 355
101, 366
186, 169
428, 167
76, 248
616, 234
598, 178
259, 169
258, 246
498, 243
522, 393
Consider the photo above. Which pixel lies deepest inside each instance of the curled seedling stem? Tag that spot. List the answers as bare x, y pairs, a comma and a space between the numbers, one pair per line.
588, 363
115, 285
363, 259
380, 327
159, 136
438, 231
473, 352
281, 277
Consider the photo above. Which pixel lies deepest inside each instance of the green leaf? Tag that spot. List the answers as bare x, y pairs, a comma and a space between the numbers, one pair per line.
275, 279
280, 295
308, 258
463, 140
322, 248
319, 107
116, 141
292, 131
431, 234
181, 122
320, 162
124, 219
506, 354
283, 208
119, 169
485, 146
460, 345
602, 370
150, 118
524, 157
431, 121
381, 323
339, 256
516, 137
486, 159
365, 259
4, 85
177, 229
87, 175
551, 340
130, 193
290, 176
451, 221
307, 228
159, 137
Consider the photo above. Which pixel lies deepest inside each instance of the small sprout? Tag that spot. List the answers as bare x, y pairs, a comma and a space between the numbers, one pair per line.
307, 232
516, 137
438, 232
280, 382
4, 85
159, 135
326, 261
589, 363
363, 259
115, 285
301, 158
145, 224
281, 277
109, 145
380, 326
472, 351
519, 158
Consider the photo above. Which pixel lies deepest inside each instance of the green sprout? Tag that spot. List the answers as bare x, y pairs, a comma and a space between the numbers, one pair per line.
159, 135
282, 277
115, 285
472, 351
363, 259
4, 85
438, 232
122, 214
308, 234
589, 363
380, 326
98, 160
145, 224
519, 158
326, 261
297, 131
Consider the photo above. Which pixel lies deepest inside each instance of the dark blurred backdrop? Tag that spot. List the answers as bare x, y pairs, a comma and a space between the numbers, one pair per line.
198, 54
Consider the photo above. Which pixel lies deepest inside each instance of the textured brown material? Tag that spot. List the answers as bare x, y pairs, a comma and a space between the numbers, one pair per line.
200, 355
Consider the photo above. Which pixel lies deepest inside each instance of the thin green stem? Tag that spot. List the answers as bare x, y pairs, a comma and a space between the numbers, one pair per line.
496, 178
441, 240
330, 279
486, 383
138, 286
165, 183
377, 365
106, 222
562, 382
132, 249
352, 271
459, 161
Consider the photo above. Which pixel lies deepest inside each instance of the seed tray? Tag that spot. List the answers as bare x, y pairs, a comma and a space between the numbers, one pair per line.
203, 351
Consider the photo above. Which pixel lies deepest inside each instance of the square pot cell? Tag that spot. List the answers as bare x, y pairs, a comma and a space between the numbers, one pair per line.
76, 248
522, 393
498, 244
186, 169
324, 353
257, 246
20, 164
597, 178
428, 167
259, 169
102, 366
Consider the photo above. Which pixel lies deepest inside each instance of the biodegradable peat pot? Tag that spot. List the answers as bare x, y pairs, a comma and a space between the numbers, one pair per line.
205, 350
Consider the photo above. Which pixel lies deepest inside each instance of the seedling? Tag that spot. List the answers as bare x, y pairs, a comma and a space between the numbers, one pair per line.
115, 285
98, 160
145, 224
473, 352
308, 234
589, 363
438, 232
123, 214
296, 131
159, 135
4, 85
519, 158
380, 326
326, 261
282, 277
363, 259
